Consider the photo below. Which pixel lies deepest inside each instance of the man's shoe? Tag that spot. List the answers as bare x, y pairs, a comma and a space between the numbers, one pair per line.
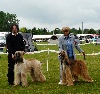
60, 82
11, 83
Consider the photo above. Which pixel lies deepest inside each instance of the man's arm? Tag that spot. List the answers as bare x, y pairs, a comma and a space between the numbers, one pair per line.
60, 44
79, 49
8, 43
22, 44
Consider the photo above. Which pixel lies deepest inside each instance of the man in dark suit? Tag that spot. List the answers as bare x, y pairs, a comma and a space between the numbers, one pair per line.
14, 42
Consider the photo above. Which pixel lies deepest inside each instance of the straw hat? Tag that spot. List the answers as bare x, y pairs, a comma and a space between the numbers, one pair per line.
65, 29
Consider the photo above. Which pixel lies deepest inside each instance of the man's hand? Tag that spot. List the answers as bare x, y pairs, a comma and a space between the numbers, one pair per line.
84, 55
13, 56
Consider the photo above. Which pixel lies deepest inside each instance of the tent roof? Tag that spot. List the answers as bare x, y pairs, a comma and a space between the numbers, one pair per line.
41, 36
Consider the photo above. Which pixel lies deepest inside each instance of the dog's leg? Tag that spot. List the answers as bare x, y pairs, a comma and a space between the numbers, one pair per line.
86, 77
63, 77
33, 75
39, 75
69, 78
84, 72
24, 79
63, 74
17, 79
75, 77
16, 75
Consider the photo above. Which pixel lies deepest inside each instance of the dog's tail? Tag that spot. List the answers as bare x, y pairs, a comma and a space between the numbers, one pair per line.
84, 71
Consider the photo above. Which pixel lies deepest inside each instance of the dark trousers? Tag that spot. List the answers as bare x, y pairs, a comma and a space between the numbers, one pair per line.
11, 63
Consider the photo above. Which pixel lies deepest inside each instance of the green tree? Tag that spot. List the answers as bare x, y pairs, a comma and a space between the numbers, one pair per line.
44, 31
98, 32
92, 31
2, 18
23, 30
56, 31
73, 30
29, 31
6, 20
34, 31
79, 31
86, 31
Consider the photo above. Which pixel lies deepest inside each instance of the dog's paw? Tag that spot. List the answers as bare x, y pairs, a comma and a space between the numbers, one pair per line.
90, 81
25, 85
75, 80
15, 85
70, 84
33, 80
63, 84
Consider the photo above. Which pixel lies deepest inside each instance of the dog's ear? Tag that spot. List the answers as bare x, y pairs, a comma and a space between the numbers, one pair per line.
59, 52
23, 52
64, 52
15, 57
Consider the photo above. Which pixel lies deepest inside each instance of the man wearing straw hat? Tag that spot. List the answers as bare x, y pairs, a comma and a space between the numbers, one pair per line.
67, 42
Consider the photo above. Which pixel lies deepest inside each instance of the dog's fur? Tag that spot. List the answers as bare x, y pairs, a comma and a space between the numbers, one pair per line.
72, 69
23, 66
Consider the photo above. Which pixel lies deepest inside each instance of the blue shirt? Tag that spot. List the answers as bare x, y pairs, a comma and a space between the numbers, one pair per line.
69, 48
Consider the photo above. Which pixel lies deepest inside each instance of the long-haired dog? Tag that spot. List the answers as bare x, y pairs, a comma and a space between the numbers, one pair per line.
22, 67
72, 69
66, 72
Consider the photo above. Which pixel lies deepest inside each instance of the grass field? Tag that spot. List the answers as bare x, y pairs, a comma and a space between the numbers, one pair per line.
51, 85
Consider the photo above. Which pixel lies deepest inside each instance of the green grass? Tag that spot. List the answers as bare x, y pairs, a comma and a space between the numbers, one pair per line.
51, 85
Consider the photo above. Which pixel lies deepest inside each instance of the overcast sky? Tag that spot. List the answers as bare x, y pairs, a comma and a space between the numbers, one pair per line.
53, 14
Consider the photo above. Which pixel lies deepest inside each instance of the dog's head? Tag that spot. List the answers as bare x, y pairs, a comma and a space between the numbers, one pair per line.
18, 56
63, 55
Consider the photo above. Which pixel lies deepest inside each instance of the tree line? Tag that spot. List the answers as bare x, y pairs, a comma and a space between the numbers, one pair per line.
7, 19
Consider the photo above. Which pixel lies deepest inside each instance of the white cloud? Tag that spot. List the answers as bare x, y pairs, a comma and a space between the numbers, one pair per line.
51, 14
